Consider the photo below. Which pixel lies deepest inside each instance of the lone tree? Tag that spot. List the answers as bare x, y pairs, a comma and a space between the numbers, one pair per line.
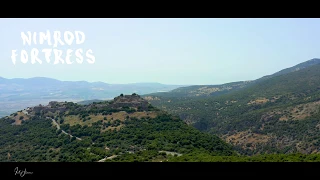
134, 94
121, 95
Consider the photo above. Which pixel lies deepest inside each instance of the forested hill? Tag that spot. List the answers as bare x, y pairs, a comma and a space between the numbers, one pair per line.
280, 114
127, 128
297, 67
202, 91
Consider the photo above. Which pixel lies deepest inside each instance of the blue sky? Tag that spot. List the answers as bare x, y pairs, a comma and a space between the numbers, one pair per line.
168, 51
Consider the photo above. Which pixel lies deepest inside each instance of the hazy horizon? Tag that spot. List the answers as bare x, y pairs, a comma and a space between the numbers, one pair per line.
167, 51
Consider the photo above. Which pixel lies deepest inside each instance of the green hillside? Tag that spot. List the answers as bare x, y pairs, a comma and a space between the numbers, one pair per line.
128, 125
279, 114
202, 90
276, 119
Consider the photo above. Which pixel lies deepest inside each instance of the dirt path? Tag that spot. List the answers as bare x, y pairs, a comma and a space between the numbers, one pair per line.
171, 153
58, 127
104, 159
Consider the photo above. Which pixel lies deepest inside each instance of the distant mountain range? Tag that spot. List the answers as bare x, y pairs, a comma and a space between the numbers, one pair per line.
19, 93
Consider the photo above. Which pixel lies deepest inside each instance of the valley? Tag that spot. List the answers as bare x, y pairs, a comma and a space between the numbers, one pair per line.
273, 114
275, 118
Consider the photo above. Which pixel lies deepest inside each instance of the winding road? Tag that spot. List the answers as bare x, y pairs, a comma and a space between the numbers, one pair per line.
58, 127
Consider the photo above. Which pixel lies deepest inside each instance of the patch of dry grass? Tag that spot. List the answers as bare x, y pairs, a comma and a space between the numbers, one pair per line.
298, 112
258, 101
74, 120
122, 115
245, 137
17, 118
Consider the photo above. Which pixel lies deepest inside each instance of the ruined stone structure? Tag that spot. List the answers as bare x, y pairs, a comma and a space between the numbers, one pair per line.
52, 107
133, 101
130, 101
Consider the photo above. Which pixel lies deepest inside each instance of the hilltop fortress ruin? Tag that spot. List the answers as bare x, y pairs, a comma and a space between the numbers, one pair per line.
134, 101
122, 101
